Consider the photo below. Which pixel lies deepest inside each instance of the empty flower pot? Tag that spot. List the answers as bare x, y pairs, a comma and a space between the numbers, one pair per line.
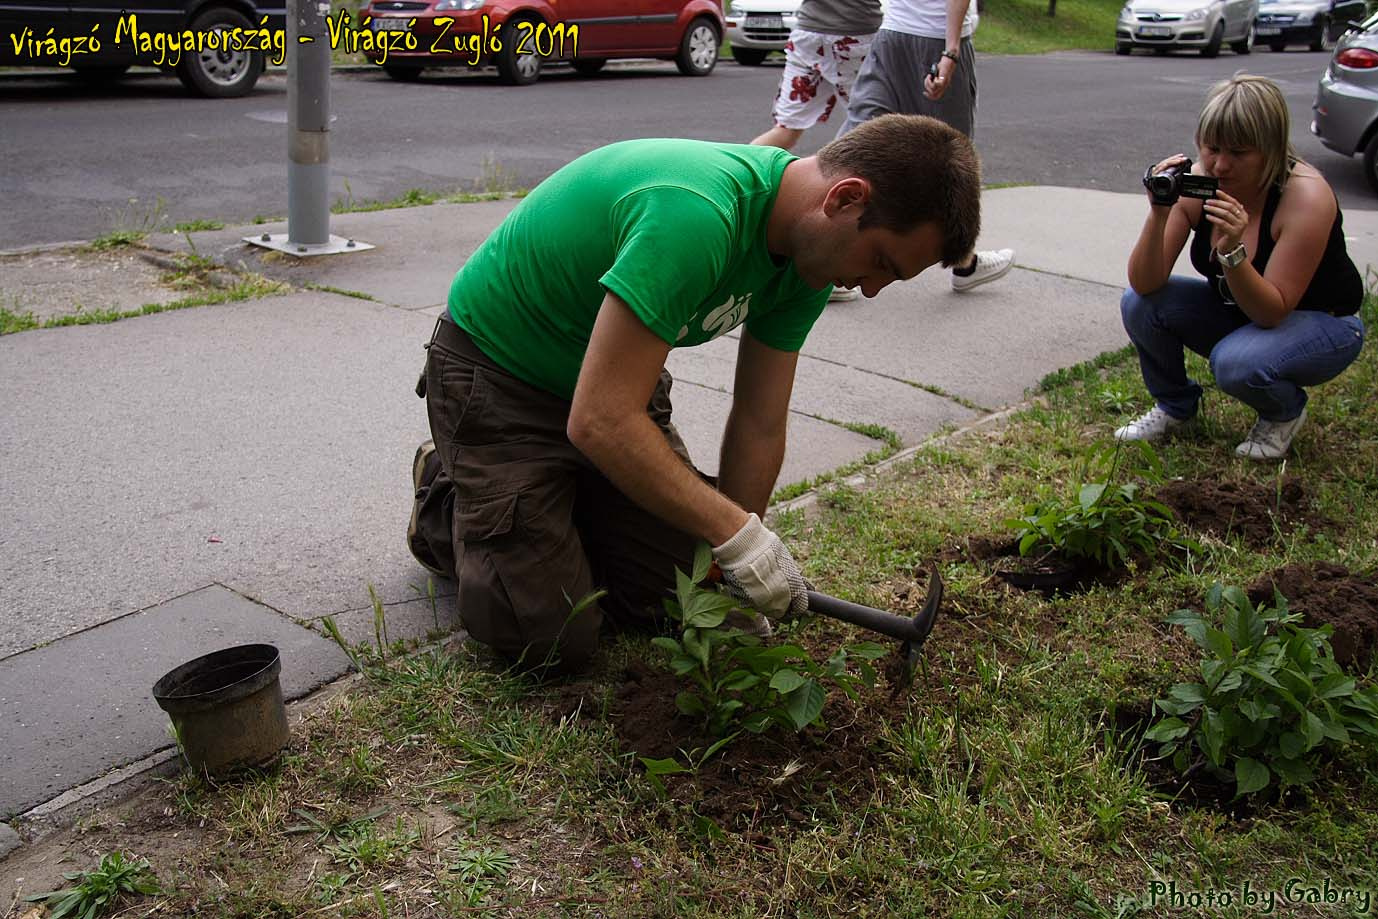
227, 708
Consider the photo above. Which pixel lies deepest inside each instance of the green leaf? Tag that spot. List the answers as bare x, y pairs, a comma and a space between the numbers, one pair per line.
663, 766
1090, 494
738, 680
690, 704
695, 646
756, 723
703, 560
1188, 692
1249, 776
1183, 617
719, 745
1167, 729
1335, 685
1230, 682
805, 705
786, 681
1212, 738
1291, 771
1219, 644
1312, 729
666, 644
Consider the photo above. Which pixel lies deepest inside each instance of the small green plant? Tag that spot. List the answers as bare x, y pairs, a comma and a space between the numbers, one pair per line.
1271, 701
482, 862
1105, 521
196, 226
97, 892
738, 683
1116, 397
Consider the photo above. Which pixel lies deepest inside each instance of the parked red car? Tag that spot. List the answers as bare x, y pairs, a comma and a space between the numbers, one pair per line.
518, 36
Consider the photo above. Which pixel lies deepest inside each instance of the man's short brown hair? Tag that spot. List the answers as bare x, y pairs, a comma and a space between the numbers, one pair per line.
920, 170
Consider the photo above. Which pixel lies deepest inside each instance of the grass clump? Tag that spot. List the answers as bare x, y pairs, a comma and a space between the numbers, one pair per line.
100, 891
1024, 26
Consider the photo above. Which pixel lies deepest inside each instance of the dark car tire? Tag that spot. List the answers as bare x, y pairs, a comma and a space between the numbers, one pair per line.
698, 48
220, 74
1245, 44
749, 57
1322, 41
1371, 162
588, 66
1122, 47
516, 69
1212, 48
1278, 46
403, 73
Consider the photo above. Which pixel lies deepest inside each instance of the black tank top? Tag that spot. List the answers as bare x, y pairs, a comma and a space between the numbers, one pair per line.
1336, 287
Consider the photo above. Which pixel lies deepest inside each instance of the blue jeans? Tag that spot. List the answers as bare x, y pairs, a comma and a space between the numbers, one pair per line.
1263, 368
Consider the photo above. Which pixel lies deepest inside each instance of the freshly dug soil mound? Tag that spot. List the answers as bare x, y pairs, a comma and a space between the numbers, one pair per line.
1327, 592
1257, 512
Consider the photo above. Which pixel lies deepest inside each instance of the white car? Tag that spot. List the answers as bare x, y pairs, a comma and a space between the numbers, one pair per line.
757, 27
1204, 25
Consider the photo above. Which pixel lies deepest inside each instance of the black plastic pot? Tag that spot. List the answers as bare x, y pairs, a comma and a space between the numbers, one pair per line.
227, 708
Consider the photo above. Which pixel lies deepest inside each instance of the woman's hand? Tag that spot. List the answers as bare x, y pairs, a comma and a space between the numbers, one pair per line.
1229, 219
1176, 160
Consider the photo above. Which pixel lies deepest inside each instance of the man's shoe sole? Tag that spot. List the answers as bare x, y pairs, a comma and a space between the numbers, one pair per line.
968, 285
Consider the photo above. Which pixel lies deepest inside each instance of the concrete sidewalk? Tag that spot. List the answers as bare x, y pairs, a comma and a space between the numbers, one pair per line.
181, 482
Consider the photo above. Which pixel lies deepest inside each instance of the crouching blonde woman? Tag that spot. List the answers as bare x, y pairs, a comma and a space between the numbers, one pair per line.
1275, 308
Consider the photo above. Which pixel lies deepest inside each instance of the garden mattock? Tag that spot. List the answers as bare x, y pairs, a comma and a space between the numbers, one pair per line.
912, 633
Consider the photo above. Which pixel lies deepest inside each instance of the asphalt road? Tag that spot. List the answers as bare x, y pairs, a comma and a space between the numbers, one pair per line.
80, 162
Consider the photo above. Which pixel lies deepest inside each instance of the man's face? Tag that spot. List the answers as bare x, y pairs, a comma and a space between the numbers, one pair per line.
831, 250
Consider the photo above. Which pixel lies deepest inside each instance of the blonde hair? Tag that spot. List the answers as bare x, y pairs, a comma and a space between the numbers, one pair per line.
1250, 111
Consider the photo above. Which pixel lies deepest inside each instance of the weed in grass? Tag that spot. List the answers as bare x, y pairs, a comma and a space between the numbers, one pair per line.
98, 892
198, 226
345, 828
365, 849
12, 320
116, 239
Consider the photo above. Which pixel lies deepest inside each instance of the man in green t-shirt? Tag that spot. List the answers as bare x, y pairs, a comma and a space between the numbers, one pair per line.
554, 469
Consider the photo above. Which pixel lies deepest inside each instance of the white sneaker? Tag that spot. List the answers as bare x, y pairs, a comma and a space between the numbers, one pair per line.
991, 265
1270, 440
843, 294
1152, 426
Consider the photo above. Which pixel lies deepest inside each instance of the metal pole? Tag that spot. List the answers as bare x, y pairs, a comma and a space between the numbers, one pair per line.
308, 123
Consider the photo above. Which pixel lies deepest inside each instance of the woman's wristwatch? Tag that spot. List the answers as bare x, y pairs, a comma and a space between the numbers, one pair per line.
1232, 259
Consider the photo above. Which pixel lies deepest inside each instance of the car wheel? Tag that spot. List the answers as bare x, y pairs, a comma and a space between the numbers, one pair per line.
1212, 48
402, 73
698, 49
749, 57
1278, 46
516, 69
1123, 47
1246, 44
1322, 41
588, 66
221, 74
1371, 161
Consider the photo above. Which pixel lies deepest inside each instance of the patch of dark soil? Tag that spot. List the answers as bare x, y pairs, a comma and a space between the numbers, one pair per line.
1324, 592
1257, 512
979, 548
757, 780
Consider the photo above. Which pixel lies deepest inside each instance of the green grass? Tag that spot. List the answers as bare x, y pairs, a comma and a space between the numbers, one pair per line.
1024, 26
1003, 785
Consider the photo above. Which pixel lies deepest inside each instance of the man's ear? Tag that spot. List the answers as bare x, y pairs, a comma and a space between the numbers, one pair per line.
853, 193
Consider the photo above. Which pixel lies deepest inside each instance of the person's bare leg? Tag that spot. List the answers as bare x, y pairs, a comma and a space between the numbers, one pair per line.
780, 136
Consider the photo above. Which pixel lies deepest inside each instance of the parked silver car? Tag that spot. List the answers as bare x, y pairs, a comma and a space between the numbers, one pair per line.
1315, 23
757, 27
1204, 25
1347, 99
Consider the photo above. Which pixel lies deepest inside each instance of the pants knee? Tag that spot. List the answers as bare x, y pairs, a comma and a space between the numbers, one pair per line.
1137, 313
1235, 378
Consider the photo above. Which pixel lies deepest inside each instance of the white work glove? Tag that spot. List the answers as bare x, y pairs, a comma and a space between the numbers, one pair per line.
758, 570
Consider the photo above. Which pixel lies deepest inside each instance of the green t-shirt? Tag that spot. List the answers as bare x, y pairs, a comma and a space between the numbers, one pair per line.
676, 228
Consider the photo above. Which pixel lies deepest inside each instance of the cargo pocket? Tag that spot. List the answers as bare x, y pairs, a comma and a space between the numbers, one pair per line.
487, 608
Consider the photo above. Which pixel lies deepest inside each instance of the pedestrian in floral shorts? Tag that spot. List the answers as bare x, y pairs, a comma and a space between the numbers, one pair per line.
823, 57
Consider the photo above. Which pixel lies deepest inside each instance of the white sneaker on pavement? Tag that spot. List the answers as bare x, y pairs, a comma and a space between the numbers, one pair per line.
1270, 440
1152, 426
843, 294
991, 265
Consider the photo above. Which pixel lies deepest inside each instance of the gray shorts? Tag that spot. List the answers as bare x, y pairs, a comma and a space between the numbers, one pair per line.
891, 80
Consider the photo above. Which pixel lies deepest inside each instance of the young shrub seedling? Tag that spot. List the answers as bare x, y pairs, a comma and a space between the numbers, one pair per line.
97, 892
1105, 522
1271, 702
737, 682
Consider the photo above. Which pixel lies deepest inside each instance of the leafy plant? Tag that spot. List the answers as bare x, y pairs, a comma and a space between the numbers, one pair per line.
1271, 701
1116, 396
738, 683
1105, 521
96, 892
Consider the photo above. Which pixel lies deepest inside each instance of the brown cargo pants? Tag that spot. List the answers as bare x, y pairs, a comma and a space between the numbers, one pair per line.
534, 526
